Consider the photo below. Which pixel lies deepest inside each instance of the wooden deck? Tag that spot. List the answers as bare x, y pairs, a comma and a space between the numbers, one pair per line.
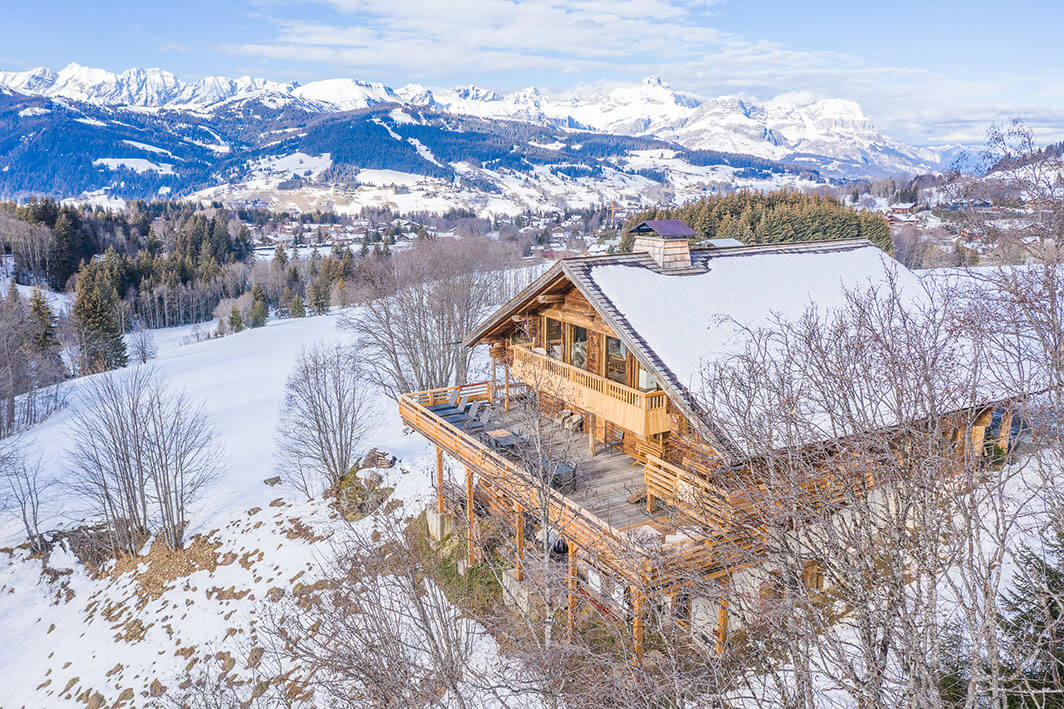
604, 481
617, 536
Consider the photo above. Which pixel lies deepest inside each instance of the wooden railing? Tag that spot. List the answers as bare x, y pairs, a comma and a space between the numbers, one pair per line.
642, 412
709, 503
608, 545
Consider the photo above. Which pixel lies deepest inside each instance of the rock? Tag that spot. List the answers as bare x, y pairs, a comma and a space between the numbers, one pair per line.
377, 459
275, 480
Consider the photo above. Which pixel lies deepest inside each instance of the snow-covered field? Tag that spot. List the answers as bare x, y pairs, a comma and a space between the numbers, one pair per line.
77, 635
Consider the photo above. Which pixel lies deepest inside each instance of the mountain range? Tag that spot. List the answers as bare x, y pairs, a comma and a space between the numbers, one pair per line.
666, 133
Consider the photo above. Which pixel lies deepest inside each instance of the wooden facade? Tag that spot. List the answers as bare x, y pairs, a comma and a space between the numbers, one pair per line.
554, 343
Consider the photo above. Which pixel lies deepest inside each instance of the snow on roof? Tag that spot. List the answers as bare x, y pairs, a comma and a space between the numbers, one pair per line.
690, 321
720, 243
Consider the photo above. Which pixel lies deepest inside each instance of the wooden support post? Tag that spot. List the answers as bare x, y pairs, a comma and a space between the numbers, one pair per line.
1005, 433
589, 424
570, 624
722, 625
978, 436
439, 481
650, 501
471, 556
494, 367
637, 622
506, 387
519, 523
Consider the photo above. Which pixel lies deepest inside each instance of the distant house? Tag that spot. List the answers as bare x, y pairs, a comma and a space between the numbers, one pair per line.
613, 348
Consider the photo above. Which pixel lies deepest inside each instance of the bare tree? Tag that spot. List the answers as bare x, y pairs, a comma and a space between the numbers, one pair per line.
421, 304
327, 411
380, 631
140, 453
22, 489
142, 345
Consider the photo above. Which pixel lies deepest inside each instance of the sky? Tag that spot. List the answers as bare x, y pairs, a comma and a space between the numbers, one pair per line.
929, 72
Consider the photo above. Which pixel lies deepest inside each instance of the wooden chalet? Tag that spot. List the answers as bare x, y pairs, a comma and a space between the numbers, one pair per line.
610, 350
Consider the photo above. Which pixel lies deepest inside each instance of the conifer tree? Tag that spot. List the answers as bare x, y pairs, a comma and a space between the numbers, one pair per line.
96, 313
45, 336
259, 312
236, 323
280, 258
319, 296
297, 309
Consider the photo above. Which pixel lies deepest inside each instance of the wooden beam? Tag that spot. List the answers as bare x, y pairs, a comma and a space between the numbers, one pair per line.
722, 625
550, 298
1005, 432
491, 392
506, 387
439, 481
589, 321
638, 631
519, 524
570, 624
471, 557
589, 424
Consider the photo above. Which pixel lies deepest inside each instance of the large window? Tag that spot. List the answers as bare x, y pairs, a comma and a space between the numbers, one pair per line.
553, 338
578, 346
616, 360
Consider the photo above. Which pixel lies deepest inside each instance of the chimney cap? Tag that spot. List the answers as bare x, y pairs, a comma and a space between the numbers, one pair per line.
665, 228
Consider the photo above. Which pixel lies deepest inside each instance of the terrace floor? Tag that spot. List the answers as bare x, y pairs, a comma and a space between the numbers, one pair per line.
604, 481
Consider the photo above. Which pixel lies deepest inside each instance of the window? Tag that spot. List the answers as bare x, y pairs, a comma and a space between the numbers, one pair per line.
616, 360
646, 382
578, 346
553, 338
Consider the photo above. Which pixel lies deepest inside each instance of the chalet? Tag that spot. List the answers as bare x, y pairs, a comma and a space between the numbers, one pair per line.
610, 350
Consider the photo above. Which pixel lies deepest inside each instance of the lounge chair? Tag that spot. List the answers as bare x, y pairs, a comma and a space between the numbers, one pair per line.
462, 408
451, 403
461, 418
478, 423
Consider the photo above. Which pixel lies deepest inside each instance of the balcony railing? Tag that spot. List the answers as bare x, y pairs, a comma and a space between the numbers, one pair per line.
641, 412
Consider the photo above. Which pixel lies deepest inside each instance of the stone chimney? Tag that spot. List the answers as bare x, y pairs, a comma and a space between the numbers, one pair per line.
666, 240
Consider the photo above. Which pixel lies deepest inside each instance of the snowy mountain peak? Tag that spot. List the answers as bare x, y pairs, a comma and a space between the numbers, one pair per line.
790, 125
475, 93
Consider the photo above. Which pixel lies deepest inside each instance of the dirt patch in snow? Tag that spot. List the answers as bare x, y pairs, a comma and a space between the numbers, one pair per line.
155, 570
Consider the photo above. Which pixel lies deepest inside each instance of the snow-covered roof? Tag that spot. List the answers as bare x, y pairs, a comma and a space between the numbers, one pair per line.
679, 325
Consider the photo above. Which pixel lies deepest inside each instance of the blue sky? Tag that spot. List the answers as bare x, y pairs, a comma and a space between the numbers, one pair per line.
924, 71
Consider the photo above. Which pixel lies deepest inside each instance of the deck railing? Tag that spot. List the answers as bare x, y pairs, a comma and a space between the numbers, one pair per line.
712, 504
642, 412
581, 527
633, 558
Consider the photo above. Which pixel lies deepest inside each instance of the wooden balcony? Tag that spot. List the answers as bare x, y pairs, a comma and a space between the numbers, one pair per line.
642, 413
625, 552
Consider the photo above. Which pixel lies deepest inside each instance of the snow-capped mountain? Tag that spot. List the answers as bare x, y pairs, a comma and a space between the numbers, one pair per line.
832, 135
135, 87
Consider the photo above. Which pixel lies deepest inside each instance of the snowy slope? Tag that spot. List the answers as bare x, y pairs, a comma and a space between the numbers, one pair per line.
81, 635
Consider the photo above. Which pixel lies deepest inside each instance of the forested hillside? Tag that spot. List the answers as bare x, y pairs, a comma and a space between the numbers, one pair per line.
776, 217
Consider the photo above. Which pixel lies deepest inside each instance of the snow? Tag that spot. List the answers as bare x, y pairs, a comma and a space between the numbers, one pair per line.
831, 133
400, 116
59, 302
740, 290
33, 111
135, 164
91, 122
240, 378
